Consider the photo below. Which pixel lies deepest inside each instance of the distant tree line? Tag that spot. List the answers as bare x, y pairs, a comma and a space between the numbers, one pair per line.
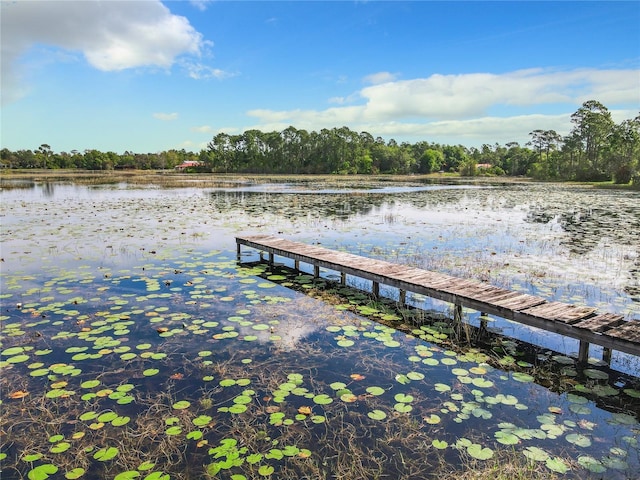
595, 149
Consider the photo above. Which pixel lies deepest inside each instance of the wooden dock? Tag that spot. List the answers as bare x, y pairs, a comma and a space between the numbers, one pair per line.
585, 324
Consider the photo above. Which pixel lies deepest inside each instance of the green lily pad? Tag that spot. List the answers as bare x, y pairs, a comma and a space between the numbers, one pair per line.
479, 452
578, 439
174, 430
375, 390
32, 457
42, 472
615, 463
120, 421
522, 377
441, 387
402, 398
107, 417
146, 466
579, 409
266, 470
622, 419
432, 419
632, 392
90, 384
377, 415
128, 475
595, 374
591, 464
403, 407
535, 454
482, 382
322, 399
556, 464
202, 420
60, 447
506, 437
74, 473
105, 454
439, 444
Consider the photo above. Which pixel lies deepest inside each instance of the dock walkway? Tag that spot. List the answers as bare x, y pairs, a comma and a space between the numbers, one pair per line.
608, 330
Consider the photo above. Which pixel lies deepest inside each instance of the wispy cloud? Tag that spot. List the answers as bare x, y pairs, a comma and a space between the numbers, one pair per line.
199, 71
200, 4
167, 117
202, 129
380, 77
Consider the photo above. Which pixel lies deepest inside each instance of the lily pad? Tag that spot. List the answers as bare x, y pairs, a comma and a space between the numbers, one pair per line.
591, 464
42, 472
375, 390
105, 454
322, 399
578, 439
556, 464
479, 452
181, 405
377, 415
439, 444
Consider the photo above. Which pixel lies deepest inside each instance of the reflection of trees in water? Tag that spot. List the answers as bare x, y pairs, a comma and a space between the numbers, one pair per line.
343, 206
48, 189
340, 206
588, 224
587, 216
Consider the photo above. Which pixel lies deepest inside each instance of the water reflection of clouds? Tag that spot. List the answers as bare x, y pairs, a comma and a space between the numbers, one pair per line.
298, 320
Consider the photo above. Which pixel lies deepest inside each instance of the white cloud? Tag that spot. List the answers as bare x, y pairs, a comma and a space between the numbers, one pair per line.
468, 107
202, 129
482, 129
380, 77
440, 97
166, 116
111, 35
200, 4
198, 71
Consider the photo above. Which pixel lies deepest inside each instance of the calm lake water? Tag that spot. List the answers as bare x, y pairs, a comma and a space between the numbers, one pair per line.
133, 344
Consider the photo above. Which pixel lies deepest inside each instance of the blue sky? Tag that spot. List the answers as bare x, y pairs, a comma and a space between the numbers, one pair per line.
148, 76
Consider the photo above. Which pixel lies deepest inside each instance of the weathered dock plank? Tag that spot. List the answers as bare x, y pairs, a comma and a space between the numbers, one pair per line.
600, 322
583, 323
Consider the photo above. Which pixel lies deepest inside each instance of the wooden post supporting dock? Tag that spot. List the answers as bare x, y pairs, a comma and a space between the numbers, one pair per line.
611, 331
583, 352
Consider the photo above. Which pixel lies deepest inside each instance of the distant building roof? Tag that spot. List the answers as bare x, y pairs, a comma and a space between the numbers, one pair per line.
187, 164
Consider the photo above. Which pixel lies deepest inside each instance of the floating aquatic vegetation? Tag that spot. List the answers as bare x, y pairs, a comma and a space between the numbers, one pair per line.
205, 362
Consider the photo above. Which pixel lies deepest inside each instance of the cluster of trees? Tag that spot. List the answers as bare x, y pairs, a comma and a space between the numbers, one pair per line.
595, 149
44, 157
